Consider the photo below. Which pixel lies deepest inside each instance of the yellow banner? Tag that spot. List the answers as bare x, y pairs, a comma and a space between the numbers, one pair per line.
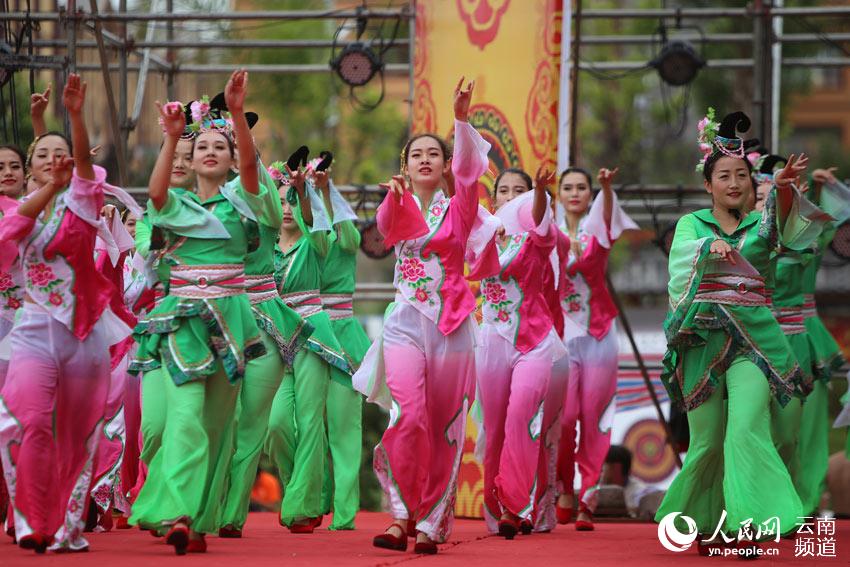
512, 50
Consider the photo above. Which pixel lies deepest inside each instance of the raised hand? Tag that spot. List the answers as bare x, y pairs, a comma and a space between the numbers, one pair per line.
606, 176
108, 212
397, 186
296, 178
74, 94
61, 171
794, 168
172, 118
723, 250
236, 91
462, 100
824, 176
321, 179
544, 178
39, 102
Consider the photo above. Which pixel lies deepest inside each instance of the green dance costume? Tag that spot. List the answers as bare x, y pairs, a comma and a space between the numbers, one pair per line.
344, 408
723, 341
283, 332
201, 336
296, 439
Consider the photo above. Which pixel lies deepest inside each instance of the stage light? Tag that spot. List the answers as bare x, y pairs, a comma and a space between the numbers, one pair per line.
677, 63
356, 64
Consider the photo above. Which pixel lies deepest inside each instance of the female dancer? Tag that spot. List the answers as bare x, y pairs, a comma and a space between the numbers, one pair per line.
296, 438
12, 172
833, 197
284, 332
590, 335
344, 406
723, 341
517, 348
423, 367
51, 406
203, 333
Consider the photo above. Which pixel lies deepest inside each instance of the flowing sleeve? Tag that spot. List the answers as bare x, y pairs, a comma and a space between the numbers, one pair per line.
85, 196
266, 203
13, 228
319, 239
340, 207
482, 255
321, 218
469, 163
143, 236
400, 219
688, 256
348, 237
835, 201
791, 220
594, 223
183, 216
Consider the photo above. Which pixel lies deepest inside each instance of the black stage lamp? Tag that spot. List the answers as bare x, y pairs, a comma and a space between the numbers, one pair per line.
677, 63
356, 64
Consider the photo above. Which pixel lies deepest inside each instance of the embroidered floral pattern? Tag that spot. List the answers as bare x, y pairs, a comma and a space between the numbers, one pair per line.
6, 282
41, 276
497, 298
413, 274
10, 292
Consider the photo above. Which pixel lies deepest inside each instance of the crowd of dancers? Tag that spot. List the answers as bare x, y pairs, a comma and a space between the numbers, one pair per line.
150, 357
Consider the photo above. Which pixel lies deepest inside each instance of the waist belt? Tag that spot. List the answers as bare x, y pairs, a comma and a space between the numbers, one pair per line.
810, 309
207, 282
790, 319
338, 305
729, 289
305, 303
260, 288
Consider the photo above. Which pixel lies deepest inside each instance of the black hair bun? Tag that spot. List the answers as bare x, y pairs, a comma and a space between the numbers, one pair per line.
768, 165
734, 123
219, 105
298, 157
327, 160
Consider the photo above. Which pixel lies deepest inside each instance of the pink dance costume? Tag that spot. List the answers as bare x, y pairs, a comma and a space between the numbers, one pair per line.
514, 359
591, 338
51, 407
422, 368
554, 286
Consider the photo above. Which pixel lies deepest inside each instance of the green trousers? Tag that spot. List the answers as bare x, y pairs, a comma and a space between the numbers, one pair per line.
262, 380
785, 431
153, 413
187, 475
345, 439
296, 437
813, 448
731, 462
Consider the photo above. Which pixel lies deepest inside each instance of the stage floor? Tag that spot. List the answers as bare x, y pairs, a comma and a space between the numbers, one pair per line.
266, 543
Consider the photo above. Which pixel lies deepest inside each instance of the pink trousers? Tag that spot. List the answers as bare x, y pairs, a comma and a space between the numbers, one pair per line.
511, 389
431, 380
131, 467
545, 519
51, 413
107, 490
590, 401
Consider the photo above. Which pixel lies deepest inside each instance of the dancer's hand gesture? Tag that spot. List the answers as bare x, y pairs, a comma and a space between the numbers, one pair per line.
296, 178
320, 179
74, 95
61, 171
606, 176
396, 186
462, 99
794, 168
824, 176
39, 101
543, 178
172, 118
236, 91
723, 250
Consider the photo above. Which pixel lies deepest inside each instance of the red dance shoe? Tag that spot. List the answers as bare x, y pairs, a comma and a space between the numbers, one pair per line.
122, 523
387, 540
564, 515
425, 547
178, 536
229, 531
525, 527
585, 525
508, 528
411, 528
317, 521
303, 527
36, 541
197, 544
